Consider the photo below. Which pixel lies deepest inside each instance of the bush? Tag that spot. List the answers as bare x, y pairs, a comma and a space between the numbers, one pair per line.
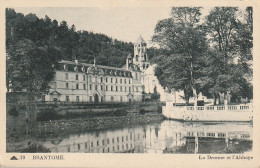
142, 111
13, 112
48, 114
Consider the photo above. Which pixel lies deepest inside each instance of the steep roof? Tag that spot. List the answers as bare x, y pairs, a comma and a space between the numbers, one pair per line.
140, 39
83, 67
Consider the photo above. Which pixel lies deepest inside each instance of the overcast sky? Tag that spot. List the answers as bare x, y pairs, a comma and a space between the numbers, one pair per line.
121, 23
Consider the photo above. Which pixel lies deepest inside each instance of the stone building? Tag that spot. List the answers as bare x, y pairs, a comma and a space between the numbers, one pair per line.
82, 82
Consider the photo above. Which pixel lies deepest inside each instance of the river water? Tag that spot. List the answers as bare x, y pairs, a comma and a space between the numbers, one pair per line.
165, 137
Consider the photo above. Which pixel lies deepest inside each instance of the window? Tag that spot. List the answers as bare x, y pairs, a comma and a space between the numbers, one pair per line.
123, 147
97, 143
117, 139
120, 80
101, 79
116, 80
129, 81
108, 149
113, 140
121, 98
67, 99
86, 145
78, 146
136, 76
90, 87
84, 77
117, 147
131, 136
111, 88
126, 146
125, 81
90, 98
116, 88
113, 148
106, 88
121, 89
90, 78
77, 98
66, 76
129, 89
122, 139
68, 148
55, 85
67, 85
125, 89
111, 80
77, 77
102, 98
107, 141
136, 89
106, 79
95, 87
84, 86
101, 87
112, 98
77, 86
103, 142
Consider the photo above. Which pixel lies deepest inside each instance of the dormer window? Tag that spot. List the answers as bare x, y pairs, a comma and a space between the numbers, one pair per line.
65, 67
76, 69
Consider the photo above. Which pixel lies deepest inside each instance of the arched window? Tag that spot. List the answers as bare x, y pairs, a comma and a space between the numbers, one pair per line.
112, 98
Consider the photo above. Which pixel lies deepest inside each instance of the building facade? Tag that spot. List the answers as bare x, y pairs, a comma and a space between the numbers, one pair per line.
81, 82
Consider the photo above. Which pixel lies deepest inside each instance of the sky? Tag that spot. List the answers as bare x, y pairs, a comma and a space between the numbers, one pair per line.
124, 23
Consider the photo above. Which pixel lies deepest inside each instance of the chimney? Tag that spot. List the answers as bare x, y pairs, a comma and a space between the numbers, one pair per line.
127, 64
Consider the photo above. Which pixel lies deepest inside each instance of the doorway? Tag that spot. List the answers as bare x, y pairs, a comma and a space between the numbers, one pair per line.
96, 98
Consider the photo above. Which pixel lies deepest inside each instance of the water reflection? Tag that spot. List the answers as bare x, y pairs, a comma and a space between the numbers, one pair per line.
166, 137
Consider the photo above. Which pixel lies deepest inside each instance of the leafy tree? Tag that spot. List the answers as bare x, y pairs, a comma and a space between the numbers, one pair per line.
231, 38
183, 36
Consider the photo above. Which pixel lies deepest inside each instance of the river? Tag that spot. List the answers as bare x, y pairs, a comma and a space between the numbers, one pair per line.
167, 136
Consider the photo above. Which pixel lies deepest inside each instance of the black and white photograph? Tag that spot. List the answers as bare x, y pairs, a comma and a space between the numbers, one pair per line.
124, 80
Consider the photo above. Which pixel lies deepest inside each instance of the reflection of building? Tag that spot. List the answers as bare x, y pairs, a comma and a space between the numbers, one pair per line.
157, 138
171, 135
121, 140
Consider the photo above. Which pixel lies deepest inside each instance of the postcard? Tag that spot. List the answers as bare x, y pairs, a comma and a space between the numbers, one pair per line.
130, 83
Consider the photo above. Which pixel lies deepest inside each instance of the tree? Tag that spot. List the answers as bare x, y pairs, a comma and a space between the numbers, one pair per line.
231, 38
30, 67
185, 39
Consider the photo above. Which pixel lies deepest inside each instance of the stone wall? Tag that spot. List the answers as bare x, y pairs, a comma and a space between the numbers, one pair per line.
59, 126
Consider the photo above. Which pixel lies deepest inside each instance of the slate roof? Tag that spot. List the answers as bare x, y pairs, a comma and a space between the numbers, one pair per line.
83, 67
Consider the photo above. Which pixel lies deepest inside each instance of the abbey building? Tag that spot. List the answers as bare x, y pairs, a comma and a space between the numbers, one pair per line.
82, 82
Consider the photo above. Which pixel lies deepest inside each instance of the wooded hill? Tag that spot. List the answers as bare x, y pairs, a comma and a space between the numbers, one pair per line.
34, 44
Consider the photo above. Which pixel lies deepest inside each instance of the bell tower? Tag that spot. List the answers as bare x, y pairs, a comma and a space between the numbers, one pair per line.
140, 55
